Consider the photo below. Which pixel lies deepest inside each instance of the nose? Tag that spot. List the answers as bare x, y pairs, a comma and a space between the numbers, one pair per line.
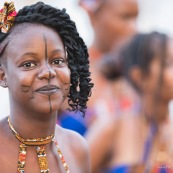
46, 72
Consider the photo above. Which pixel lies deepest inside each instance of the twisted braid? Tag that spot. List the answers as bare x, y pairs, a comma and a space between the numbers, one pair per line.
77, 54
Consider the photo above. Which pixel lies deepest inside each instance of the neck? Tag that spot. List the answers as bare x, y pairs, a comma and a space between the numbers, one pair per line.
152, 110
29, 127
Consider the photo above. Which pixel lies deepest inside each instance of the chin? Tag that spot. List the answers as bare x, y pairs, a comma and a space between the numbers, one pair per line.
48, 106
46, 110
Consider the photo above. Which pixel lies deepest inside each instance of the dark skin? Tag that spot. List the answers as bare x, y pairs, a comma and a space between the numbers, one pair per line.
113, 22
36, 58
122, 140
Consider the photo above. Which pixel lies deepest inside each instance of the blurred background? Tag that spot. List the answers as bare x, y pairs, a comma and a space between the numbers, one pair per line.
153, 15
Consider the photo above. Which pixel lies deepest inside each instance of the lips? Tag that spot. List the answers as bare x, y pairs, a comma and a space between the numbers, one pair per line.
48, 89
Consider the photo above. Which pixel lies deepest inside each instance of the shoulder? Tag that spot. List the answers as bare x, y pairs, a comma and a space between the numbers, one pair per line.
76, 141
76, 145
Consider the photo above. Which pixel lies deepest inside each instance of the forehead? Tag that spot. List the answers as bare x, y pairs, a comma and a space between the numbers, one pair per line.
122, 4
33, 37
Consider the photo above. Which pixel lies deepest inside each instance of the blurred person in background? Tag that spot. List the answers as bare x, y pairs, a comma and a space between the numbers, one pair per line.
140, 140
114, 22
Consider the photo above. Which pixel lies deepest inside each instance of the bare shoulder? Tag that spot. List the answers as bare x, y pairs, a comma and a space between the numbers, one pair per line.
76, 141
76, 146
70, 136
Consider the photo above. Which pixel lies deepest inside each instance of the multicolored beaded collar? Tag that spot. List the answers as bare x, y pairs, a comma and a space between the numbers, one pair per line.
39, 143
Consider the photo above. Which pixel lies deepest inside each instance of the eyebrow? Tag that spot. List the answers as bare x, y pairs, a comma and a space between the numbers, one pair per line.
58, 51
36, 54
29, 54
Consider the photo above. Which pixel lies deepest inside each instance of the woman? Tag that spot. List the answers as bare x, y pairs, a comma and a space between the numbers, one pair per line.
43, 61
139, 140
113, 21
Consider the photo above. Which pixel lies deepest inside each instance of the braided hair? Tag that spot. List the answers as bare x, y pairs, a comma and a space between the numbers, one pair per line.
139, 51
77, 54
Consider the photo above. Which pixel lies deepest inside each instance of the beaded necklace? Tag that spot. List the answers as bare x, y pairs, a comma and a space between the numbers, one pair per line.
39, 143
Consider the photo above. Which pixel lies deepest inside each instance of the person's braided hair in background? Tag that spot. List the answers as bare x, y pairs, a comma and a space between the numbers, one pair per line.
139, 51
77, 55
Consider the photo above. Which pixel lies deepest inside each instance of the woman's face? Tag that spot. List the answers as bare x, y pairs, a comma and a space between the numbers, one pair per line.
150, 83
37, 73
167, 83
114, 22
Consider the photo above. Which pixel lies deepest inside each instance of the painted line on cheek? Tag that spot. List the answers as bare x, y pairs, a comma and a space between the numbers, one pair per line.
25, 88
46, 61
67, 88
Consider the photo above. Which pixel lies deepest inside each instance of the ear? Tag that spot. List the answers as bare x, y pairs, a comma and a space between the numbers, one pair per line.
89, 11
2, 77
91, 16
136, 76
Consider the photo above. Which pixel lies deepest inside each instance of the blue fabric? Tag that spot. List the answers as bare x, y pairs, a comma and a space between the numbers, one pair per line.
118, 169
163, 170
149, 142
126, 169
72, 123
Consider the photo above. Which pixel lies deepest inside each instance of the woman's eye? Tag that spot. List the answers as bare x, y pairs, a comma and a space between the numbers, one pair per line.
28, 64
58, 62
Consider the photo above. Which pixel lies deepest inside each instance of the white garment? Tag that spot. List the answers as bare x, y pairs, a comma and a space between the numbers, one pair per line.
4, 102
